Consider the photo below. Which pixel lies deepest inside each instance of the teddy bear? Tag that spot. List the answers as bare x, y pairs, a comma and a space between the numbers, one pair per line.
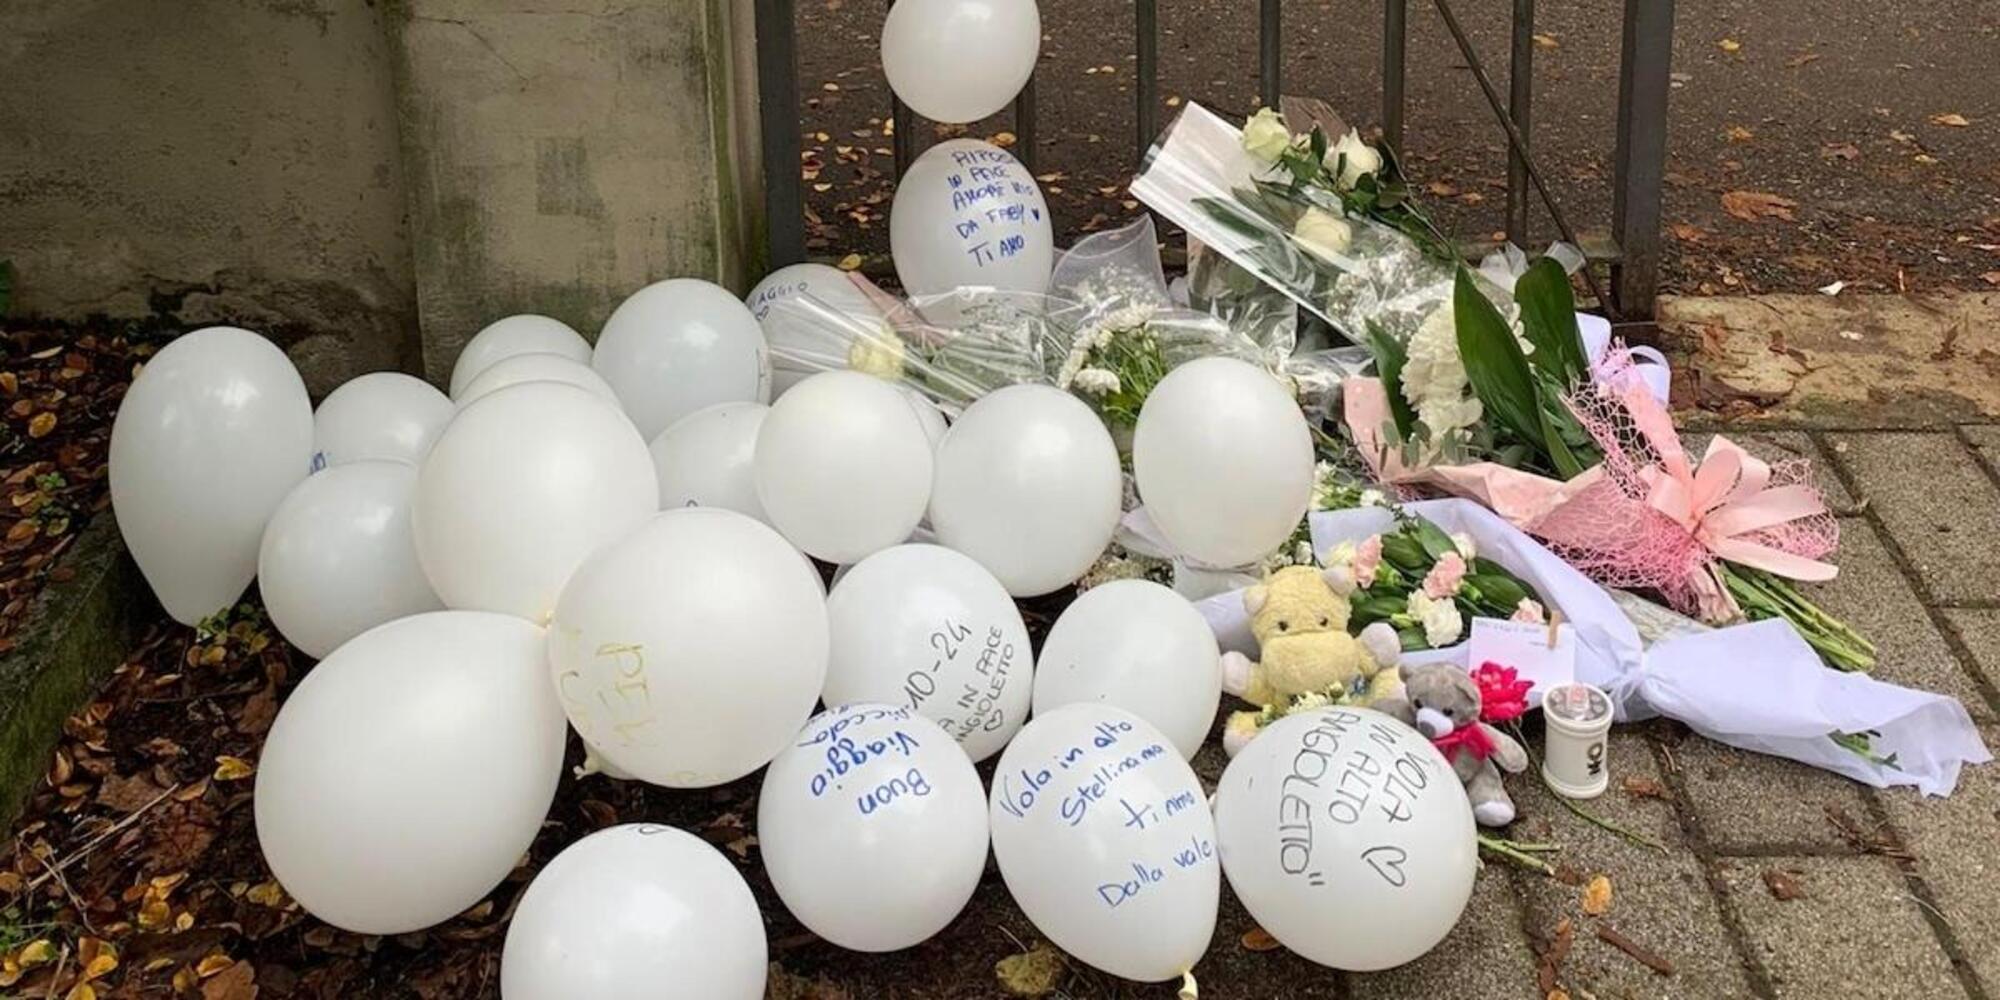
1299, 617
1455, 710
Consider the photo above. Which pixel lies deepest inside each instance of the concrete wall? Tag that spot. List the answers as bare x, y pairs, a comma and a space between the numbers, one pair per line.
340, 173
563, 153
206, 161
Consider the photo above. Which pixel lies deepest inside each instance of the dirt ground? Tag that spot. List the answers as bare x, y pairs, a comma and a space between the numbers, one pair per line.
1878, 125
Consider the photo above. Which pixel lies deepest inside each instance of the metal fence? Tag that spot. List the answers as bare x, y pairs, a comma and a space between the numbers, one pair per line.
1639, 160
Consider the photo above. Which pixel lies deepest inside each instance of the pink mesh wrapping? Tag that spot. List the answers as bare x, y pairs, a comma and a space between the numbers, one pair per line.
1611, 531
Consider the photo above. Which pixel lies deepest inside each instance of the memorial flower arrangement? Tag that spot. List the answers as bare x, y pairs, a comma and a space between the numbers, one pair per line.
1429, 585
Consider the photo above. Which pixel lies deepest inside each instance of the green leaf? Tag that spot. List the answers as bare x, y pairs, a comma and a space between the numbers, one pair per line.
1403, 552
1390, 355
1494, 363
1548, 316
1318, 144
1225, 212
1435, 542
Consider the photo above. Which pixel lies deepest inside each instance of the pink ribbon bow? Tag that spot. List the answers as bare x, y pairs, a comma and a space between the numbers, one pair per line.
1727, 498
1472, 739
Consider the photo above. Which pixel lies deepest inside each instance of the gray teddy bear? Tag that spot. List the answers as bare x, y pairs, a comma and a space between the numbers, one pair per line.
1445, 704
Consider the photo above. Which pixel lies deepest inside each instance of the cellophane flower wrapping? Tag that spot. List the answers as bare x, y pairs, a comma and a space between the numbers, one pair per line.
1358, 275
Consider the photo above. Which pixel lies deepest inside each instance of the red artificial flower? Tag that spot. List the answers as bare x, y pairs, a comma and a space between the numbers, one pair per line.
1503, 696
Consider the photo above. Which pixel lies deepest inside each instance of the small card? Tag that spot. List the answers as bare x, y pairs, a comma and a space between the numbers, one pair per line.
1525, 646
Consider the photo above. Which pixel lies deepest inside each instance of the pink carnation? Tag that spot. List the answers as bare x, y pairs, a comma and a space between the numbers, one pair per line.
1530, 611
1367, 559
1443, 579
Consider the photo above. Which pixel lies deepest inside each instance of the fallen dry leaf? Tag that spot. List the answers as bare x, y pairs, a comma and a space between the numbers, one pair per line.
229, 768
1950, 119
1751, 206
1546, 41
1840, 151
1259, 939
238, 982
1800, 60
1644, 788
1729, 45
1737, 133
1597, 896
851, 262
1783, 885
1991, 277
1032, 973
42, 424
1002, 139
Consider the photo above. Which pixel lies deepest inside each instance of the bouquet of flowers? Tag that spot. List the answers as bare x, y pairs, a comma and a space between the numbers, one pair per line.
1581, 453
1427, 584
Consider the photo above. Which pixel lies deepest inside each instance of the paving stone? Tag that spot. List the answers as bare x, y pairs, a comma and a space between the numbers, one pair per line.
1980, 631
1872, 595
1660, 901
1778, 446
1936, 502
1953, 839
1486, 955
1985, 439
1758, 804
1856, 933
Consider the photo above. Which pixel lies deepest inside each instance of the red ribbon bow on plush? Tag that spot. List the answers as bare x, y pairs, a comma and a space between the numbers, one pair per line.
1502, 697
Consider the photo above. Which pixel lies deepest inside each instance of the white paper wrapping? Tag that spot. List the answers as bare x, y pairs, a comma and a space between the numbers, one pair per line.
1757, 686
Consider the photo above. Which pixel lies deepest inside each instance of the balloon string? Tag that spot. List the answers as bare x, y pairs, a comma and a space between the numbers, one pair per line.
1189, 991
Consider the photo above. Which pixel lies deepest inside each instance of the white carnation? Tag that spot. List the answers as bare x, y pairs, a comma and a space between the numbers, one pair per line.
1441, 620
1096, 381
1434, 379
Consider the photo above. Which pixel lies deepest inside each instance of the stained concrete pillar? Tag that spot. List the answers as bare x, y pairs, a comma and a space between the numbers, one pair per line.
559, 154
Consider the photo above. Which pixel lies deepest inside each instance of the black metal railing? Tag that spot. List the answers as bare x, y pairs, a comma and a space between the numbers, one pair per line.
1639, 160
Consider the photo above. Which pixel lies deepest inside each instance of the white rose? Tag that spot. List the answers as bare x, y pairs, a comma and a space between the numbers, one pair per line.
1361, 159
1265, 135
1323, 234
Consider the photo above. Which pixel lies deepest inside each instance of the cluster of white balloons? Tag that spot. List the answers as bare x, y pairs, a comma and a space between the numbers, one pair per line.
617, 539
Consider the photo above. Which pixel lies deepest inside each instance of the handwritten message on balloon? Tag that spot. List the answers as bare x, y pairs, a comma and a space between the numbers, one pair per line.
1344, 767
865, 753
1105, 840
967, 213
976, 673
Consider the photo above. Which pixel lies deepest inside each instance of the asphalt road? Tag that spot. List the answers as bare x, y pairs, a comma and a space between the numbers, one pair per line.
1847, 108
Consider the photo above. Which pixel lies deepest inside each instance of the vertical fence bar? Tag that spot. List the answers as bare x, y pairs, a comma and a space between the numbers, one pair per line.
1146, 34
905, 122
1270, 22
1640, 162
1395, 29
1520, 106
778, 121
1026, 149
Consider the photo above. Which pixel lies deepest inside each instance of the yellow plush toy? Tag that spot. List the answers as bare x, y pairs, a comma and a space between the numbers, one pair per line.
1299, 616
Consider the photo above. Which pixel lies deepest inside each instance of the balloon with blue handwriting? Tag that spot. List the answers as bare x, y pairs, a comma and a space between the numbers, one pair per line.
504, 338
408, 773
640, 912
811, 315
928, 628
960, 60
536, 367
705, 459
1105, 840
1138, 646
338, 557
1028, 483
678, 345
689, 652
213, 433
523, 484
380, 415
843, 466
968, 214
1348, 837
1223, 460
872, 826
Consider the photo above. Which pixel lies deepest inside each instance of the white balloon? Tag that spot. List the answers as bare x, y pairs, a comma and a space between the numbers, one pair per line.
523, 334
967, 213
536, 368
338, 557
1224, 461
705, 459
636, 912
960, 60
926, 627
214, 432
410, 770
1105, 841
873, 827
379, 415
810, 314
1028, 483
520, 488
1348, 837
928, 415
843, 467
678, 345
1135, 645
689, 652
